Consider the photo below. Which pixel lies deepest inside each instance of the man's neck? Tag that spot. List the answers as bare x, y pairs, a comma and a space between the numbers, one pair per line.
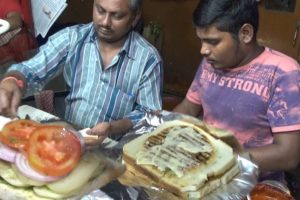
255, 50
108, 50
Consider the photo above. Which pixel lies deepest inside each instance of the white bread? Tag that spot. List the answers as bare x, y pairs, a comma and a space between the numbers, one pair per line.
197, 181
106, 171
224, 135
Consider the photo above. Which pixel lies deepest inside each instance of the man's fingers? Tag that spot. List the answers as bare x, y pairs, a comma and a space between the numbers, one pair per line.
9, 102
4, 102
15, 102
93, 143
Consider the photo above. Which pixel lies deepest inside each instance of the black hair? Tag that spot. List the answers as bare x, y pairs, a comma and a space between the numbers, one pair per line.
226, 15
135, 4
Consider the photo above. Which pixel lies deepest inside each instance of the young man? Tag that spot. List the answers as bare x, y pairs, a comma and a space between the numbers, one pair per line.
113, 73
251, 90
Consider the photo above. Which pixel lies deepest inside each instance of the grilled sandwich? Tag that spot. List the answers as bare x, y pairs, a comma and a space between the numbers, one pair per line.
181, 158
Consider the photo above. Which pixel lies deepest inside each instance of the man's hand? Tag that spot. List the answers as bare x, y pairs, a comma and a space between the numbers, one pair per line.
102, 130
105, 129
10, 97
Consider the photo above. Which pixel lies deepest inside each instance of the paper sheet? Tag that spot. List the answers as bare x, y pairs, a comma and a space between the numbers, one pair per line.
45, 13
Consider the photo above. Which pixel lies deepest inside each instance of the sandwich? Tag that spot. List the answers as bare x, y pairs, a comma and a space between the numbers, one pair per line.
44, 162
181, 158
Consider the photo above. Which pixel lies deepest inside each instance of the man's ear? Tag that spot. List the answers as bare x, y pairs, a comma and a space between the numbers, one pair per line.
246, 33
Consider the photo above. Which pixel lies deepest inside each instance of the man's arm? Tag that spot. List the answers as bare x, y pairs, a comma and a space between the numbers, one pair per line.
148, 97
188, 108
283, 154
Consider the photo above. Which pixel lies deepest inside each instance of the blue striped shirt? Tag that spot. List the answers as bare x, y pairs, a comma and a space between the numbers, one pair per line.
129, 86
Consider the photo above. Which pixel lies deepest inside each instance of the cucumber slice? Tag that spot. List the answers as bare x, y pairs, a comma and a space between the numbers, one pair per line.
25, 179
10, 176
78, 177
43, 191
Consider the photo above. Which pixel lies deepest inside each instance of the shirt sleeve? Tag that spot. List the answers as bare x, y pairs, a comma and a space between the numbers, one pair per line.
194, 92
150, 91
284, 108
45, 65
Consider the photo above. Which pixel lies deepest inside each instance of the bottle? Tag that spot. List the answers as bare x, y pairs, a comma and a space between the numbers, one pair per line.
270, 189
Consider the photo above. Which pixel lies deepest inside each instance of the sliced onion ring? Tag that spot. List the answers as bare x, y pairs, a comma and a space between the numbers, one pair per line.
7, 153
79, 136
24, 168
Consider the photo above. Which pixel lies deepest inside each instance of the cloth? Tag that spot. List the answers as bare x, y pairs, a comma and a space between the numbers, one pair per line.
7, 6
130, 85
254, 101
15, 44
44, 100
6, 37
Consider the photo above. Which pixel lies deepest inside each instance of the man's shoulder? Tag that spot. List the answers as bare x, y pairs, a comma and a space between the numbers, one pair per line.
142, 43
79, 28
73, 33
279, 59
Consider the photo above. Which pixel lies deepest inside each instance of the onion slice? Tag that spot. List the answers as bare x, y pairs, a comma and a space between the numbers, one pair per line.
7, 153
80, 137
24, 168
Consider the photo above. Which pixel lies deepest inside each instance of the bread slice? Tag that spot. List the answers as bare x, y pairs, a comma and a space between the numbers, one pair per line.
181, 158
224, 135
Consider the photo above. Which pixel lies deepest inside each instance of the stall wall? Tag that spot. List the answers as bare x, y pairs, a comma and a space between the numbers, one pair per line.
180, 46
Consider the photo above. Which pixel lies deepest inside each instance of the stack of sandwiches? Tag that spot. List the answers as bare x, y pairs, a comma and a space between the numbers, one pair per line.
181, 158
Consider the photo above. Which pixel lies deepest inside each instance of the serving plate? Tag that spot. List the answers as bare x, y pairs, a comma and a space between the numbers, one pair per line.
4, 26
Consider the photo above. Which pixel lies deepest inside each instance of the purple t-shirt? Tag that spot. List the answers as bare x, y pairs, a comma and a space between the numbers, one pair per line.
253, 101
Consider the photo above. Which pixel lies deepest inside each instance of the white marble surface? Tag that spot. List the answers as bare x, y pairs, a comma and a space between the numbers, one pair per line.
4, 26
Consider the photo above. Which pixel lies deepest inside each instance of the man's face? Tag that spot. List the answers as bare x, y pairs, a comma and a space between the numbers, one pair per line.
219, 48
112, 19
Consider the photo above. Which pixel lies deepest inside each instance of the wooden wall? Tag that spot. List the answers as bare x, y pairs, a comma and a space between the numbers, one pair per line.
277, 29
180, 49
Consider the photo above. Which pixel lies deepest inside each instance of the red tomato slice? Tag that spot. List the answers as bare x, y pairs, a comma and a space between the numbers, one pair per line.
53, 150
16, 133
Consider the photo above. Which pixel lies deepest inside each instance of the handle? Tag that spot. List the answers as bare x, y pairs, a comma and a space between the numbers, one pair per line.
295, 37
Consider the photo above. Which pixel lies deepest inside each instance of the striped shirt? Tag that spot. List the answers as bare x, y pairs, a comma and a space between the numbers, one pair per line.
129, 86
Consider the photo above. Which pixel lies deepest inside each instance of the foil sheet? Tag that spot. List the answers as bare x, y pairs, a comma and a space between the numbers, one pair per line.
236, 189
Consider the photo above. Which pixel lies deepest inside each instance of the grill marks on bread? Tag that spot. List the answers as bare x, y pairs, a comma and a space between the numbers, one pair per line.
156, 139
178, 149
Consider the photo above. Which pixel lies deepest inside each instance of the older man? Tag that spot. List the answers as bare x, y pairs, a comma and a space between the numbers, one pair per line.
113, 73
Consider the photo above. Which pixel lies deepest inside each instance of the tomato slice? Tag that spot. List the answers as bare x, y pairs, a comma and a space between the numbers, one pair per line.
53, 150
16, 133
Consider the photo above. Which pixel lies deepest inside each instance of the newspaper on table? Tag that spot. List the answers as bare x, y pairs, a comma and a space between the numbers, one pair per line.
45, 13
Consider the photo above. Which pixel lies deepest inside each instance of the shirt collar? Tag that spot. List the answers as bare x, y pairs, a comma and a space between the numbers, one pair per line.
129, 45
